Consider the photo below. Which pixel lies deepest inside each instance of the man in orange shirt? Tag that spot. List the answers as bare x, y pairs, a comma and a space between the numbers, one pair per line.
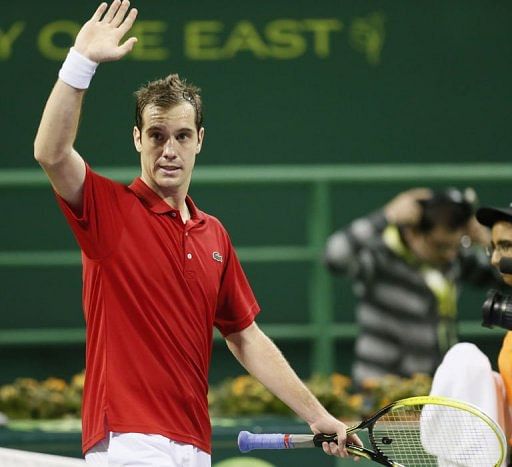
499, 220
466, 373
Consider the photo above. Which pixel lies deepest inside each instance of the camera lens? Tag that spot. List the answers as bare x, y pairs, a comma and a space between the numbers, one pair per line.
497, 310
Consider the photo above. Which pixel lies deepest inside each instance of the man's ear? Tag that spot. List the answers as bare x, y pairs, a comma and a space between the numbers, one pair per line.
137, 139
200, 139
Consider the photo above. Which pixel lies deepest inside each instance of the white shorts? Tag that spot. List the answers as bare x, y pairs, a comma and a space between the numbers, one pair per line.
144, 450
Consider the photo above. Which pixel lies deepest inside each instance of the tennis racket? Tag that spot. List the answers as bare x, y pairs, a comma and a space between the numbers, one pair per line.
418, 431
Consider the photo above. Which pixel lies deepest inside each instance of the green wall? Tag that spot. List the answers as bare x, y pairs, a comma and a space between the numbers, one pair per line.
324, 82
283, 82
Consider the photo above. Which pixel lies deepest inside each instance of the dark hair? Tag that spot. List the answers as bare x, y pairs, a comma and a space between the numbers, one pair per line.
449, 208
488, 216
166, 93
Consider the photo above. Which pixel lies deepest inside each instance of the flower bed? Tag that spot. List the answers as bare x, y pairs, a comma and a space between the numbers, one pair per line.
244, 395
53, 398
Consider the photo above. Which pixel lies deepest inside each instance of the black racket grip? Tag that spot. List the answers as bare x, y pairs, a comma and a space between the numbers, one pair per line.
320, 438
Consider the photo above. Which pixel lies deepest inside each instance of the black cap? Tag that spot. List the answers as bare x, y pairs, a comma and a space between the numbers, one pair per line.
489, 216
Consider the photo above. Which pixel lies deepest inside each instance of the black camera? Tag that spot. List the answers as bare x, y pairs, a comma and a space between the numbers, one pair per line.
497, 310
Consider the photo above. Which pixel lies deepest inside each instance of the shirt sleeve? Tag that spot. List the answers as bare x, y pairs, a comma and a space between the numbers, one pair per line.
344, 247
505, 364
236, 305
98, 225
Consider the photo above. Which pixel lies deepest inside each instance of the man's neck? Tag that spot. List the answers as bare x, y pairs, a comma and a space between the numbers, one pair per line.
179, 203
176, 199
185, 213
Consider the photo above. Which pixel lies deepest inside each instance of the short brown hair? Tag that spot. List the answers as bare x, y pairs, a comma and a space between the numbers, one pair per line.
166, 93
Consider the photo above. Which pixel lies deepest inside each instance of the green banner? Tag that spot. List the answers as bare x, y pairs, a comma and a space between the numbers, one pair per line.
283, 82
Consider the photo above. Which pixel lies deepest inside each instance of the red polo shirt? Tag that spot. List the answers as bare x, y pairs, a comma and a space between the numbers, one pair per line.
153, 288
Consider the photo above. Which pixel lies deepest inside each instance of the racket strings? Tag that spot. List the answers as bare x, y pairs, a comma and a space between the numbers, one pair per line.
436, 435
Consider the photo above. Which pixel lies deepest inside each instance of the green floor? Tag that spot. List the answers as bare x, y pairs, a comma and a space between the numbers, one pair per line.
63, 438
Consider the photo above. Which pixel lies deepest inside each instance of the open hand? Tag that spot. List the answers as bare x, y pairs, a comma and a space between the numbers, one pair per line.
404, 209
99, 39
478, 233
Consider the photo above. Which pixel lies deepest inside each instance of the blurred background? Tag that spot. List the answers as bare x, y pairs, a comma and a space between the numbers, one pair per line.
315, 113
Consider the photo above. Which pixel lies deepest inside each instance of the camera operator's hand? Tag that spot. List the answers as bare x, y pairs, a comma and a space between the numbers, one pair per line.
478, 233
404, 209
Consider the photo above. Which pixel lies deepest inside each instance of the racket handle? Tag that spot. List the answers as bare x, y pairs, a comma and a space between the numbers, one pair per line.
248, 441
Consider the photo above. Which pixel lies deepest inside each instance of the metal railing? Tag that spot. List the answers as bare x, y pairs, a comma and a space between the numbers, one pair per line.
321, 329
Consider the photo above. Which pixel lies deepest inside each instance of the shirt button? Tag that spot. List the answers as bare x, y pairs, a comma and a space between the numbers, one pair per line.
189, 255
173, 214
186, 234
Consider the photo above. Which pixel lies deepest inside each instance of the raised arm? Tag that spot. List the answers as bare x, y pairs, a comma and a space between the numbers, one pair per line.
342, 249
260, 357
98, 41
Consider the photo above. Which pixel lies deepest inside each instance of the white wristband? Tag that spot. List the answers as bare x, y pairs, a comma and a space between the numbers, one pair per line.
77, 70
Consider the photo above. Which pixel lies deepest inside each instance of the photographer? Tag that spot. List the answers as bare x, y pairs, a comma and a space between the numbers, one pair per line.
407, 261
466, 373
499, 220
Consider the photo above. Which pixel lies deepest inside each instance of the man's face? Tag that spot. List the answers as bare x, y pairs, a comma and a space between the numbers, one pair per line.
501, 246
439, 246
168, 144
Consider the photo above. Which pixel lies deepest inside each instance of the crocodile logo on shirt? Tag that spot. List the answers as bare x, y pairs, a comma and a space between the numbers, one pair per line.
217, 256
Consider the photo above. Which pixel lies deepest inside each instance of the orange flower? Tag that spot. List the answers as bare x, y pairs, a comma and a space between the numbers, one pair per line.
55, 384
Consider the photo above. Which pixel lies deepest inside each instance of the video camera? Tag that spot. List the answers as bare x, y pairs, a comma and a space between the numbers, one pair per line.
497, 308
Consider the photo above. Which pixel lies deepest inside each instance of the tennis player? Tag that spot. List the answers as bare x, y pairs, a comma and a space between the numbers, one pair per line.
158, 273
